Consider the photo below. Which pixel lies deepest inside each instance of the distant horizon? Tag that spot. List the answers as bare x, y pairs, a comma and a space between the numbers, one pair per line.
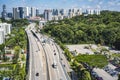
111, 5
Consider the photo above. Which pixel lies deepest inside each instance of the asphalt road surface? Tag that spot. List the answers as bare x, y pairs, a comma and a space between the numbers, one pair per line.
37, 58
44, 52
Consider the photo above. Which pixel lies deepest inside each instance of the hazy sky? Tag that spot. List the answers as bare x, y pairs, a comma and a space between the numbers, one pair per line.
43, 4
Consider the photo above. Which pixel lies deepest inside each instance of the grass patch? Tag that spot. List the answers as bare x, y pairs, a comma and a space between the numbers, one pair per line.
93, 60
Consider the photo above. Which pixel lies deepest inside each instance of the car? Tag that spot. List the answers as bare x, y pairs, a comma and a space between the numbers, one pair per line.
37, 74
99, 78
114, 73
94, 74
54, 65
61, 78
64, 65
54, 53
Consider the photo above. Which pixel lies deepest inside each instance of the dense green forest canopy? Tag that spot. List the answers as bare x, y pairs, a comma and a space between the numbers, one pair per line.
17, 22
101, 29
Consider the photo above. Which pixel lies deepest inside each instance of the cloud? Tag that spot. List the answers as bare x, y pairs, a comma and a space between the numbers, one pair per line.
118, 4
114, 2
86, 6
111, 3
98, 6
80, 0
100, 3
90, 0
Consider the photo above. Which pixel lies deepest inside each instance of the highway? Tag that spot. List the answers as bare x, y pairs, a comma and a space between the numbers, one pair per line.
53, 55
44, 52
37, 62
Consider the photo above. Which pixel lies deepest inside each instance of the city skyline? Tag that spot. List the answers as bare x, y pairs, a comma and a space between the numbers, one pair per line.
47, 4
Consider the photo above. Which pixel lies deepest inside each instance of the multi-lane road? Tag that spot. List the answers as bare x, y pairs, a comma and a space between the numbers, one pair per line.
44, 53
37, 62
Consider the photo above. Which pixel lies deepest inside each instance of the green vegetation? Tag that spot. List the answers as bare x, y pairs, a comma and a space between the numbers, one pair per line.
17, 38
9, 66
119, 77
15, 72
85, 75
0, 21
116, 55
17, 22
79, 69
16, 41
16, 54
93, 60
100, 29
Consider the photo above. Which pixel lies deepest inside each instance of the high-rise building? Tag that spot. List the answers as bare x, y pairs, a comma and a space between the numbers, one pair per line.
93, 11
62, 12
74, 10
70, 13
4, 12
54, 12
97, 11
79, 12
37, 12
2, 37
4, 30
33, 11
48, 15
57, 12
21, 12
16, 13
9, 15
6, 27
26, 12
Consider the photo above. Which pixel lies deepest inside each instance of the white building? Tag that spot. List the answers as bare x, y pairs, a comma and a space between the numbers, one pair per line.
97, 11
93, 11
48, 15
16, 13
26, 12
2, 36
21, 12
4, 30
33, 12
6, 27
79, 12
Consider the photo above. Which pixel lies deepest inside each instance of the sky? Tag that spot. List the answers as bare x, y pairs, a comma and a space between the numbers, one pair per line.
113, 5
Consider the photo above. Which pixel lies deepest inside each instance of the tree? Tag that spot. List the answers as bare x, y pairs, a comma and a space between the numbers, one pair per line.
118, 76
109, 36
117, 44
2, 47
16, 54
85, 75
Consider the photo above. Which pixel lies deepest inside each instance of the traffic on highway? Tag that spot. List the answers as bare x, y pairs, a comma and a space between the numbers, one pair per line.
46, 59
